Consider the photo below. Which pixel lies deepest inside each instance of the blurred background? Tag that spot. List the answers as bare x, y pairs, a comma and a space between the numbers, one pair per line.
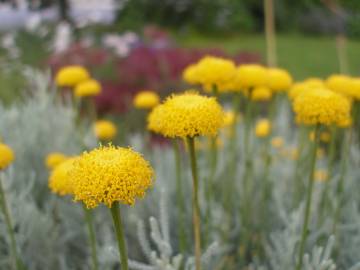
131, 45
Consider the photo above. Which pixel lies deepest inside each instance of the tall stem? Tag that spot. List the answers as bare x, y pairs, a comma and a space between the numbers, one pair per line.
308, 199
17, 264
270, 33
116, 216
92, 239
180, 197
196, 207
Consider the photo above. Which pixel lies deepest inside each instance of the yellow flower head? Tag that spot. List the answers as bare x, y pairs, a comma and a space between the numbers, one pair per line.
70, 76
146, 100
213, 71
279, 79
250, 76
306, 85
345, 123
88, 88
54, 159
277, 142
263, 128
339, 83
320, 175
104, 130
189, 74
321, 106
229, 118
261, 93
60, 180
111, 174
187, 115
6, 156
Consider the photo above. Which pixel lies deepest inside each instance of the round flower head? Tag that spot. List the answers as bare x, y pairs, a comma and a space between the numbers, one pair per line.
88, 88
71, 75
250, 76
187, 115
214, 71
279, 79
321, 106
229, 118
146, 100
263, 128
261, 93
111, 174
320, 175
6, 156
60, 180
189, 74
307, 85
104, 130
54, 159
339, 83
277, 142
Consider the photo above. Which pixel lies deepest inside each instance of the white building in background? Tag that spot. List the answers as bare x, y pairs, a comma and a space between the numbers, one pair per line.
82, 12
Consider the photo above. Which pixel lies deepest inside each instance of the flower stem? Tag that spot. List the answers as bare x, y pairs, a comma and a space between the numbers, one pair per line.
116, 216
92, 239
180, 197
4, 207
196, 207
308, 199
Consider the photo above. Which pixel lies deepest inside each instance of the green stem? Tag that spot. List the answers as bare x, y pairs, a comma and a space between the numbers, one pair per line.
196, 207
308, 200
116, 216
92, 239
180, 197
16, 259
298, 187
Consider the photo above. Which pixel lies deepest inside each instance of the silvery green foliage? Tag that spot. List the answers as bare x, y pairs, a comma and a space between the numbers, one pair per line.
163, 257
51, 233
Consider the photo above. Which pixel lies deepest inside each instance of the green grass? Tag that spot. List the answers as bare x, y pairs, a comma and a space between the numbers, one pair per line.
303, 56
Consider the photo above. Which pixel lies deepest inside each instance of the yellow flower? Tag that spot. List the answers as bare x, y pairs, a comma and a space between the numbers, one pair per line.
250, 76
146, 100
229, 118
339, 83
60, 180
54, 159
279, 79
354, 88
189, 74
320, 175
277, 142
110, 174
345, 123
321, 106
263, 128
261, 93
212, 71
6, 156
70, 76
88, 88
104, 130
187, 115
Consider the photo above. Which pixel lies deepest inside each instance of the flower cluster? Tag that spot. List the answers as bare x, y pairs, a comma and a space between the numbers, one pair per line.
78, 78
104, 130
187, 115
